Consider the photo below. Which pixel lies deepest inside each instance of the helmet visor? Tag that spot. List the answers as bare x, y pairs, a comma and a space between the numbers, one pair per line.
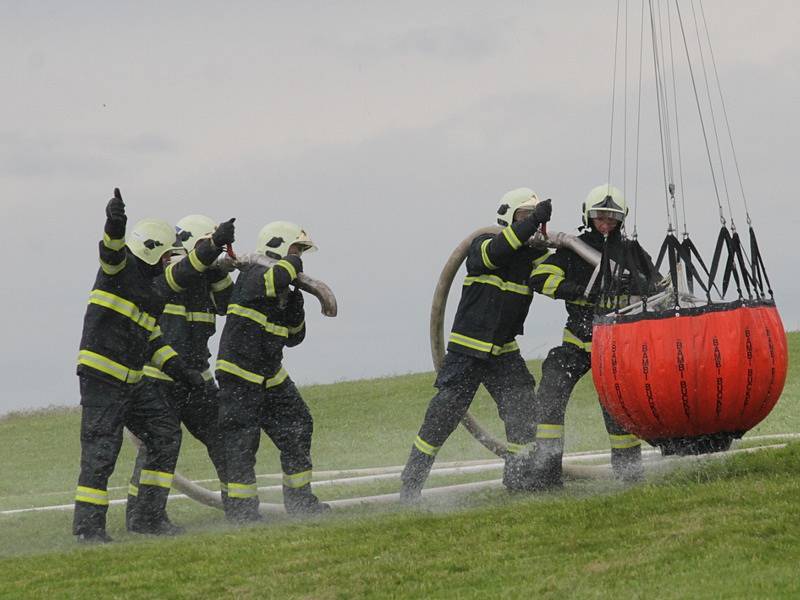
606, 214
304, 246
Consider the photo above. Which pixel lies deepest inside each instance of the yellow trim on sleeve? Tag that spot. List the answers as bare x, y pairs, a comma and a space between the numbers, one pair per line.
485, 254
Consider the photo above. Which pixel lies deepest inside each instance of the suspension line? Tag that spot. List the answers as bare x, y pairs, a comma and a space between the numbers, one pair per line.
677, 126
625, 109
713, 117
700, 113
638, 126
667, 120
613, 93
725, 113
656, 69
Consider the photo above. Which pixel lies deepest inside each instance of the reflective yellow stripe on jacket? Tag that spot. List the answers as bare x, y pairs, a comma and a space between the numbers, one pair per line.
110, 269
269, 277
258, 317
179, 310
511, 238
115, 245
155, 373
267, 382
494, 280
162, 355
485, 254
554, 279
276, 379
109, 367
124, 307
480, 345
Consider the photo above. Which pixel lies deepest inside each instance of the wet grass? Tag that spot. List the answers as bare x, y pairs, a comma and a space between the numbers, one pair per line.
723, 529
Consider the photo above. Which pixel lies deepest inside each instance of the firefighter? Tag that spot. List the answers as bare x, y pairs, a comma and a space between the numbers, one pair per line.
120, 335
495, 299
265, 315
187, 322
566, 276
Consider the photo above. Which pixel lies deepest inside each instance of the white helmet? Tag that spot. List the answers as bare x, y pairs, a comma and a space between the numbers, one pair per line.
512, 201
604, 201
151, 239
192, 228
275, 238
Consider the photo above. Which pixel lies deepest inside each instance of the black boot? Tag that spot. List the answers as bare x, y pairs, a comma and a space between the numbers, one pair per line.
95, 537
546, 471
150, 513
518, 471
626, 463
242, 510
89, 522
414, 475
301, 501
162, 527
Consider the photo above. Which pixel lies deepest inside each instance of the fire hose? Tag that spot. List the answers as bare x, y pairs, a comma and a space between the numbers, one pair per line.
315, 287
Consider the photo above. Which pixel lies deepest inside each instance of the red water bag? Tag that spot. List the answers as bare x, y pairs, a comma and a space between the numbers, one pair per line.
705, 371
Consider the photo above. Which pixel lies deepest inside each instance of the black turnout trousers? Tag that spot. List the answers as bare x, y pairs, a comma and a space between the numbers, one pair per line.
198, 411
508, 381
106, 409
561, 371
245, 410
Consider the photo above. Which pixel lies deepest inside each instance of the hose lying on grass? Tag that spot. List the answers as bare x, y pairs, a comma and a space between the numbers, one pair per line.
573, 469
654, 462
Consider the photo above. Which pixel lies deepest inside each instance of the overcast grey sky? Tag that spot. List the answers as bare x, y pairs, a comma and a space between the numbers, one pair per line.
389, 130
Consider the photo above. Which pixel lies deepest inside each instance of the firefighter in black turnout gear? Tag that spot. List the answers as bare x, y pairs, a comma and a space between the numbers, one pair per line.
482, 348
120, 334
566, 276
256, 392
187, 322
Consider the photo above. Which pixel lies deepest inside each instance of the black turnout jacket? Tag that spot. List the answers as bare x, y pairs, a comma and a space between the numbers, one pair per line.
495, 296
189, 320
120, 330
263, 317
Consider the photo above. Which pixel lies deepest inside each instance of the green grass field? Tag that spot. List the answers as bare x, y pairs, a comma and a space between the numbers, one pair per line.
712, 530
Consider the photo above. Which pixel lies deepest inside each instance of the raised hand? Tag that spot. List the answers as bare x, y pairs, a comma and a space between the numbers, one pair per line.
223, 234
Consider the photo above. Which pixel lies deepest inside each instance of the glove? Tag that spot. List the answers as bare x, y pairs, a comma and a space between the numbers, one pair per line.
543, 211
115, 216
191, 379
115, 209
223, 234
